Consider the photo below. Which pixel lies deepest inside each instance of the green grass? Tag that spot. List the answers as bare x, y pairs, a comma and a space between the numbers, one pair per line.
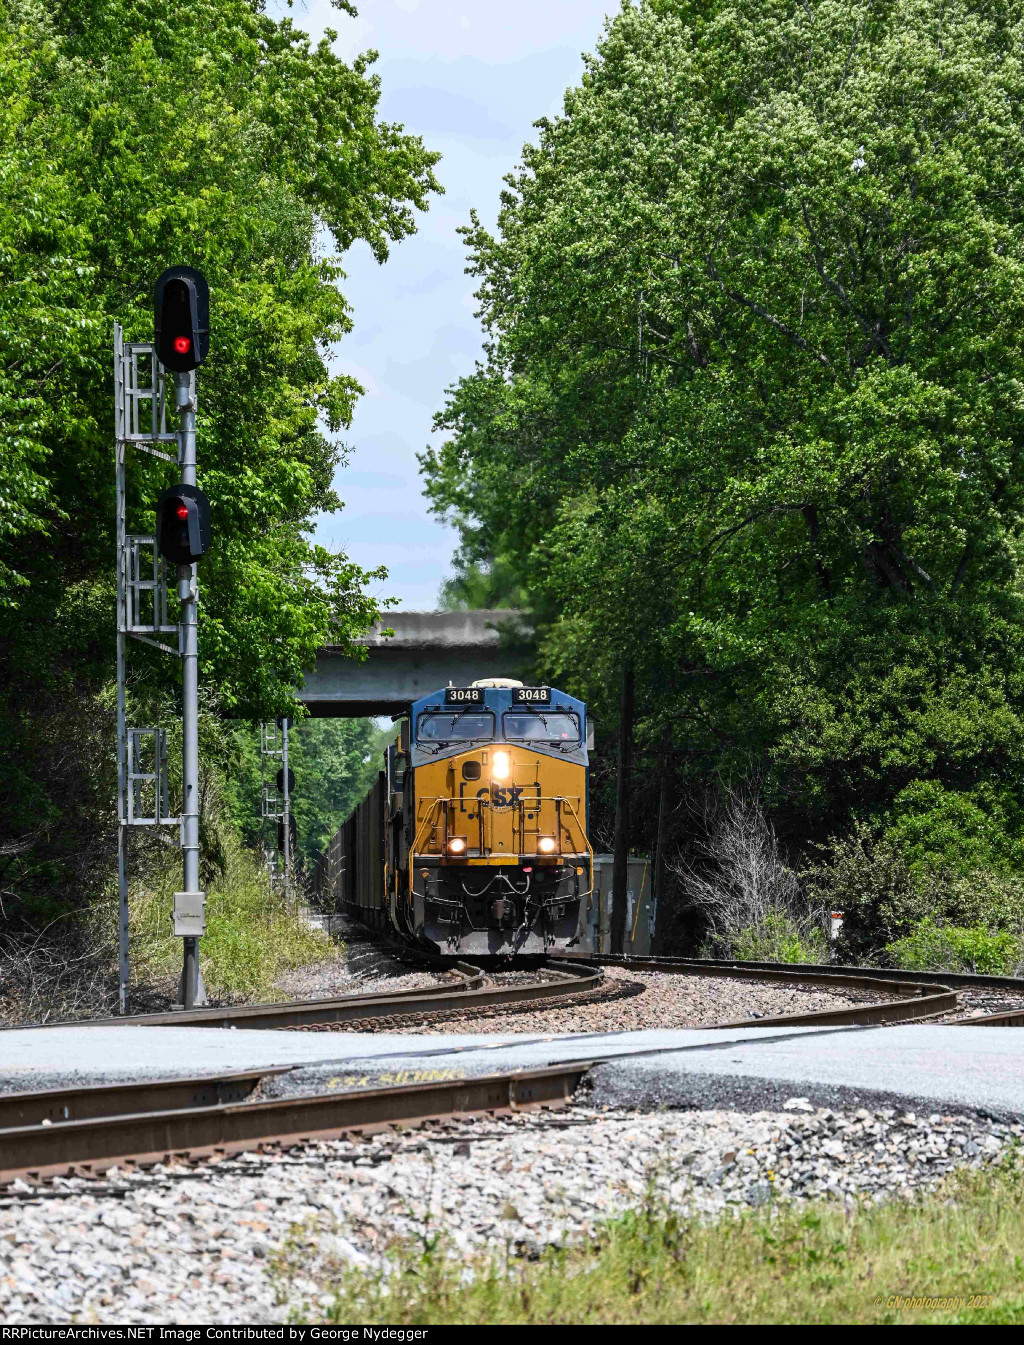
816, 1263
251, 937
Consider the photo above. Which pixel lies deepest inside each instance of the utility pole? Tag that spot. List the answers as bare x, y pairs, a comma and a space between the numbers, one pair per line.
660, 867
181, 341
620, 855
143, 615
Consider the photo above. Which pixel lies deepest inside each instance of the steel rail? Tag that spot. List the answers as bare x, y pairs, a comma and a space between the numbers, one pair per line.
1002, 1018
960, 980
396, 1004
471, 979
87, 1130
52, 1106
89, 1146
369, 1008
915, 999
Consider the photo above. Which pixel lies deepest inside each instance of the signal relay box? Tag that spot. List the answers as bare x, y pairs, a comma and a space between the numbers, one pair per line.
189, 914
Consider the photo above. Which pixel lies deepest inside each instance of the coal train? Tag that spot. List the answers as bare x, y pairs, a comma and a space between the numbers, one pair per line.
473, 839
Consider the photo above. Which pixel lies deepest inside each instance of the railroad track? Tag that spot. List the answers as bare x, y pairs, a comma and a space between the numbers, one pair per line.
928, 987
909, 997
86, 1130
564, 984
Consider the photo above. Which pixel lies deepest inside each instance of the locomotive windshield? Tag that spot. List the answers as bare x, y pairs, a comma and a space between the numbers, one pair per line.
551, 726
444, 728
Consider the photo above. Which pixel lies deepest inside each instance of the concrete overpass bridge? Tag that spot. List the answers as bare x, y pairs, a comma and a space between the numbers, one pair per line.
428, 650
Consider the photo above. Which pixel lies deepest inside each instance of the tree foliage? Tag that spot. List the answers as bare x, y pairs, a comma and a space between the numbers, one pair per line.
751, 409
335, 762
134, 135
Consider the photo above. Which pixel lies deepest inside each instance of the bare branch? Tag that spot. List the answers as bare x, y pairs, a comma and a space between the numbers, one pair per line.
770, 318
961, 569
912, 564
698, 354
849, 54
740, 884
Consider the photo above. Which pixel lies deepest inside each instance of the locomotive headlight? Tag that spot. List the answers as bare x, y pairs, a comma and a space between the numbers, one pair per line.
457, 845
501, 766
546, 845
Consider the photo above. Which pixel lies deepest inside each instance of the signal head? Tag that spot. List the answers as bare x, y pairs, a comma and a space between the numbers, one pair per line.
183, 524
181, 318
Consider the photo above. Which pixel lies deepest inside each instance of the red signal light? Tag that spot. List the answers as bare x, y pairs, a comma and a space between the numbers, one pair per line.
182, 344
182, 524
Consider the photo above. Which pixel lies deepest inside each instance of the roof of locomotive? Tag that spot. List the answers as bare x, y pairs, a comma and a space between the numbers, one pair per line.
498, 700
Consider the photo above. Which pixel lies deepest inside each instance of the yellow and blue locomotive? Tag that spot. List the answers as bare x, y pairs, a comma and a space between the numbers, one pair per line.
473, 840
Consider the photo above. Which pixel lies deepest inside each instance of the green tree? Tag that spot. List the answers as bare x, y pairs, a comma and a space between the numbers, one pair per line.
750, 415
214, 133
335, 761
133, 135
475, 584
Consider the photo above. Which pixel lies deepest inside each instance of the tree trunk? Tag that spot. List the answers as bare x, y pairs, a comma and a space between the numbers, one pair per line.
620, 866
661, 913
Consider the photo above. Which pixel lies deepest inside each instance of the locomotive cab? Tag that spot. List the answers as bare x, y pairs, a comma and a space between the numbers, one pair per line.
487, 828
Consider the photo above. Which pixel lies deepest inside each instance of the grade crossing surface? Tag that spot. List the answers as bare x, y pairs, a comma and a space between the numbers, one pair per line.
914, 1067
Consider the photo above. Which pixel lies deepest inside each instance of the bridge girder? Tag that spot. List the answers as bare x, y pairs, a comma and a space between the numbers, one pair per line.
428, 650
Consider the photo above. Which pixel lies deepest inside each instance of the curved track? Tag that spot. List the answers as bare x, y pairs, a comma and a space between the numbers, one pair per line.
908, 997
908, 1000
88, 1129
905, 984
563, 983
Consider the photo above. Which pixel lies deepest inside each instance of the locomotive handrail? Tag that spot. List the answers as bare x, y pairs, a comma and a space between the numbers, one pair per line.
442, 802
412, 848
590, 851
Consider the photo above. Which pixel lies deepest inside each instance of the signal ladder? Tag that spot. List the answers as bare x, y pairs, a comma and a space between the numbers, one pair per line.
143, 790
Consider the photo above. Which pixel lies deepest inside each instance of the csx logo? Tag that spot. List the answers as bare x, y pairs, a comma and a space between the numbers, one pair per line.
505, 796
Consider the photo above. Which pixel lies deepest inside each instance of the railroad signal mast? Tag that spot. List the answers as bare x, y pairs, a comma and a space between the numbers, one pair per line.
181, 332
276, 795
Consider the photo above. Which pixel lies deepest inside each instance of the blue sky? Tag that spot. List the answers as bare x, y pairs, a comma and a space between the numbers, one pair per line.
470, 77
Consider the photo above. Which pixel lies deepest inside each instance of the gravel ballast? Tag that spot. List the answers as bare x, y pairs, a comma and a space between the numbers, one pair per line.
198, 1244
364, 968
652, 999
632, 998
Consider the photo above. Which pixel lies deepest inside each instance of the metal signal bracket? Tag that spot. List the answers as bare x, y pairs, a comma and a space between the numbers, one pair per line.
140, 398
274, 802
147, 798
143, 608
146, 607
271, 751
